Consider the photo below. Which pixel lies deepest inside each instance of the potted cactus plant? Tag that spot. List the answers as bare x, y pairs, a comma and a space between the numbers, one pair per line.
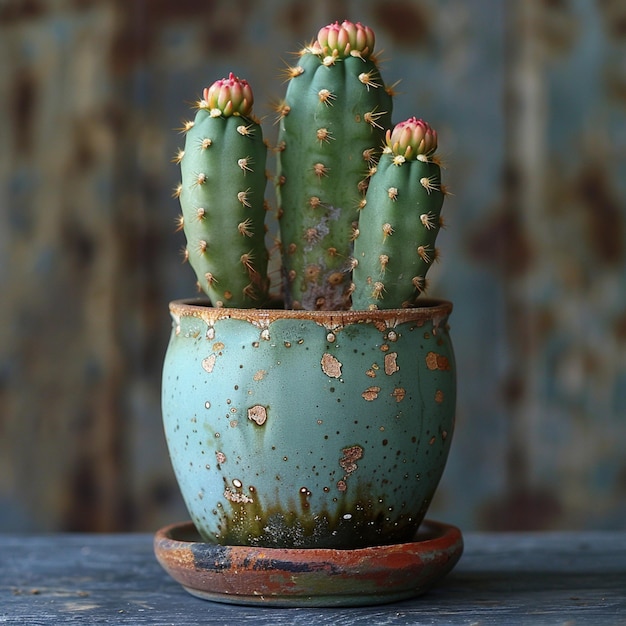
313, 425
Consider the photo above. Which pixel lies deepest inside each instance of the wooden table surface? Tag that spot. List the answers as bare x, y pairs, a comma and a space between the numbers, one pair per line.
549, 578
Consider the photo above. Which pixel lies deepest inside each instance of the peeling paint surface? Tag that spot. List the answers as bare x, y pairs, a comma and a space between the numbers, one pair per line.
331, 366
209, 363
391, 364
436, 361
371, 393
258, 414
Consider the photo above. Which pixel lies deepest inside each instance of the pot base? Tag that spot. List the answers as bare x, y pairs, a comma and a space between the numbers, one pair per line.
308, 577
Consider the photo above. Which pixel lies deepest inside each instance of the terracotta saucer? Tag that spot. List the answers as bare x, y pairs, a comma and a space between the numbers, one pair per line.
308, 577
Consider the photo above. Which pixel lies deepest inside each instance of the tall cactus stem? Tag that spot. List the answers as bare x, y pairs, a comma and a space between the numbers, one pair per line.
335, 111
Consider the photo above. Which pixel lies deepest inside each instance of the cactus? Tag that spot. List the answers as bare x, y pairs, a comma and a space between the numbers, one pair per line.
399, 223
332, 126
359, 203
222, 196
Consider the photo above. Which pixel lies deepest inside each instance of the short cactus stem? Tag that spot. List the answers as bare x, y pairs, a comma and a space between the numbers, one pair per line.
396, 243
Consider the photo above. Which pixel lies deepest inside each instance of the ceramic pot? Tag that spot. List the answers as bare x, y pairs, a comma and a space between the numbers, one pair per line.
308, 428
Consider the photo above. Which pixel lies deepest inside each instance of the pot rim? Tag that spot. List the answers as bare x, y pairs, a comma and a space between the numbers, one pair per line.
431, 309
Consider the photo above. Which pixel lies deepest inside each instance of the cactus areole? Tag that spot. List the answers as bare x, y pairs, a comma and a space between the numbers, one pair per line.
353, 457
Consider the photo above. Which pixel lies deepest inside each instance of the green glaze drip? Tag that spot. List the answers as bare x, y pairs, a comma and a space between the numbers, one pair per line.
360, 521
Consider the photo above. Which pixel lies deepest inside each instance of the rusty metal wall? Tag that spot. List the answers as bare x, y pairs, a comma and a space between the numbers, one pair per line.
529, 99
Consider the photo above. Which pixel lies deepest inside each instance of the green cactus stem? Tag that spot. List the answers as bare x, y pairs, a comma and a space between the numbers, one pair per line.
222, 196
400, 220
332, 127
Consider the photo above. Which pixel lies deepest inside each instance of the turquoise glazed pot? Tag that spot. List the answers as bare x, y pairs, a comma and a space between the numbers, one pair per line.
308, 428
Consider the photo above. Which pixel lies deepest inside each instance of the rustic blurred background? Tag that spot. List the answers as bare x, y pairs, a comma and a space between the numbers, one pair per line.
529, 99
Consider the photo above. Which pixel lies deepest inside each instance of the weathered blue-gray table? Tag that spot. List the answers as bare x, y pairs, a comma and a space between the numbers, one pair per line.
554, 578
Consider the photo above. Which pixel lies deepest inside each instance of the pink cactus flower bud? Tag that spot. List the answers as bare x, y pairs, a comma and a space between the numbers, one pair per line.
346, 39
229, 96
412, 138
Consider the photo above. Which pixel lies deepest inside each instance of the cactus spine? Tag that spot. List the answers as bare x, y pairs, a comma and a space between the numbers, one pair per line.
332, 127
400, 220
222, 196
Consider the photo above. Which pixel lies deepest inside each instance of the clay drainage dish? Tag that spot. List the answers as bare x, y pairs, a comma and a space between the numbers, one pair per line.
308, 577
